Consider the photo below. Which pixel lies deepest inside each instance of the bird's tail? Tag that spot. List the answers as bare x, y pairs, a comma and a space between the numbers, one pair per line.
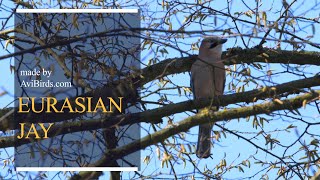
204, 140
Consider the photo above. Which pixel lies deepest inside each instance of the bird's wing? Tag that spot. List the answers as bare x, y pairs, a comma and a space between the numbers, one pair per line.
202, 80
219, 78
191, 85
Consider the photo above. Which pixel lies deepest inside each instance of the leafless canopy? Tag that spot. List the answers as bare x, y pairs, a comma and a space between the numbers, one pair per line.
268, 123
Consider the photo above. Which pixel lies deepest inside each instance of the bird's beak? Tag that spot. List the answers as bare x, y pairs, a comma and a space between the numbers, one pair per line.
222, 41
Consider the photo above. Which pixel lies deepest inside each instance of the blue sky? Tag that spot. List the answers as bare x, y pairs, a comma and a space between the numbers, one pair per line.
226, 146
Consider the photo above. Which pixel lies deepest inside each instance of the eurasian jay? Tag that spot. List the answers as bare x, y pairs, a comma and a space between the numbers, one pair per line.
208, 80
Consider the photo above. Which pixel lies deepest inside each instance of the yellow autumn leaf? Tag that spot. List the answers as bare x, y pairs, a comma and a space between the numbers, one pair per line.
304, 103
278, 101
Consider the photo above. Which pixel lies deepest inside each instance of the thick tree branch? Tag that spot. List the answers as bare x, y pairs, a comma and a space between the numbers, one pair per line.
203, 118
206, 117
232, 56
179, 65
148, 116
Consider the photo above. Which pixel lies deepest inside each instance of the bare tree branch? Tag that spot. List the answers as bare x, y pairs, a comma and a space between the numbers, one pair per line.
203, 118
179, 65
148, 116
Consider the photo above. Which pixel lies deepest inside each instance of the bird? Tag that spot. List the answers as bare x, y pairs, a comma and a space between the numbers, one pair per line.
207, 81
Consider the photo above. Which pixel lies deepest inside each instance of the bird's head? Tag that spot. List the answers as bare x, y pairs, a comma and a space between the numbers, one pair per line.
211, 46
